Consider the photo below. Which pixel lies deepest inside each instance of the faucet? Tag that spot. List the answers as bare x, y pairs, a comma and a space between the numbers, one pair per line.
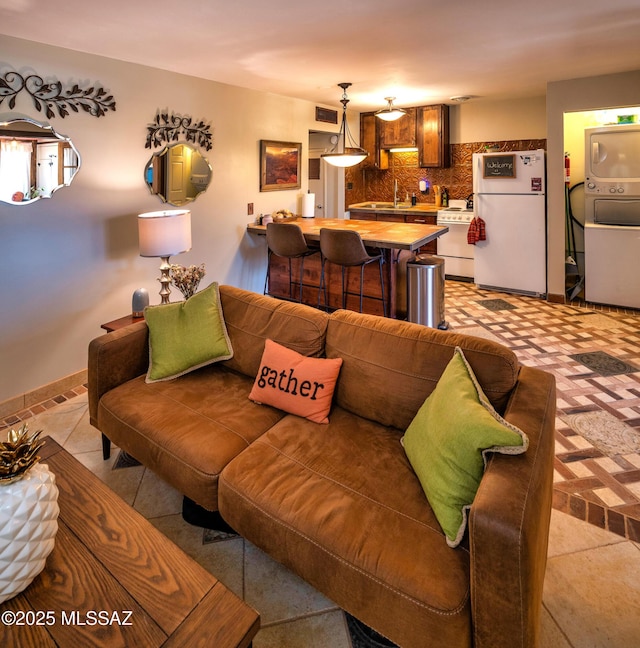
395, 193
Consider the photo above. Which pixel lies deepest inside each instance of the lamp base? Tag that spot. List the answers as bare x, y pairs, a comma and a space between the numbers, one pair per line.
165, 280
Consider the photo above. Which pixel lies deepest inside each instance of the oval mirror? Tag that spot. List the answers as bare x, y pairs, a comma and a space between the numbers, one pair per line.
178, 174
35, 161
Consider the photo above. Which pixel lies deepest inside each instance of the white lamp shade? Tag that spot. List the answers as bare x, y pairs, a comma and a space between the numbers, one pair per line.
344, 160
164, 233
391, 115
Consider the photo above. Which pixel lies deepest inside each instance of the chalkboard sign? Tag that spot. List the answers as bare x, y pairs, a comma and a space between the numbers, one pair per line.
499, 166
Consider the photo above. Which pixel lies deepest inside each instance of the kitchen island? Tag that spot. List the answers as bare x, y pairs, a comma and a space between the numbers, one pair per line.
392, 238
402, 212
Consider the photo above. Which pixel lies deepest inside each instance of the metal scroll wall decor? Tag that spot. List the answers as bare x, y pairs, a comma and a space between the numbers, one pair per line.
46, 96
167, 128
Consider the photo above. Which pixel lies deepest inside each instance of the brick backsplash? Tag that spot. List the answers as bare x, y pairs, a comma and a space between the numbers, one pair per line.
372, 184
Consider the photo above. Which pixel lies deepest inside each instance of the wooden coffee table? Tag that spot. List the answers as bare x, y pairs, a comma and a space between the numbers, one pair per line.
114, 580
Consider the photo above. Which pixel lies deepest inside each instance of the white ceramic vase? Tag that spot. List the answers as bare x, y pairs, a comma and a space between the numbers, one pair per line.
28, 525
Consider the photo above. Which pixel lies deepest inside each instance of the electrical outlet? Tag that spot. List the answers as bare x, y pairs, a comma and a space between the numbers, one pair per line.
249, 209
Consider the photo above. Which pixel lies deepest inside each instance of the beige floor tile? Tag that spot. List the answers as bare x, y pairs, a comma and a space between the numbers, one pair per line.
278, 594
568, 535
60, 421
327, 630
225, 560
84, 437
594, 596
551, 636
124, 482
155, 497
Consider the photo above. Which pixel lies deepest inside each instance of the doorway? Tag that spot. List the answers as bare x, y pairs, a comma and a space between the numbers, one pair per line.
325, 181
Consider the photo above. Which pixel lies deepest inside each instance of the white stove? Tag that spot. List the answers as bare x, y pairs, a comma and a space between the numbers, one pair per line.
452, 246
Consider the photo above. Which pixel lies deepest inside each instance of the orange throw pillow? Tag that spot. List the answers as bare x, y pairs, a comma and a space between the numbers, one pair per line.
295, 383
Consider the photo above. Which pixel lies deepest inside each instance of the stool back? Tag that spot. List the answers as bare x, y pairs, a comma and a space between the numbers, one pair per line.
343, 247
286, 240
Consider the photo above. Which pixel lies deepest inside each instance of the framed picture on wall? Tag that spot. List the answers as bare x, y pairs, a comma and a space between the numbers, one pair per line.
280, 165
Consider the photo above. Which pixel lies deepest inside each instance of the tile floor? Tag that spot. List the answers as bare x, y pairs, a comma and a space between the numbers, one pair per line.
592, 586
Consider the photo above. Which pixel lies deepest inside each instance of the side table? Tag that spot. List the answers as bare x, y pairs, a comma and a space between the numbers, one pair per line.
116, 324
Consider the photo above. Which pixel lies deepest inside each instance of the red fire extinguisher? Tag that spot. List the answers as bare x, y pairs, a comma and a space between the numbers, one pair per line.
567, 169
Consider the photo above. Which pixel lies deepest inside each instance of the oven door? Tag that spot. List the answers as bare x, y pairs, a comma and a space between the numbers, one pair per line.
455, 250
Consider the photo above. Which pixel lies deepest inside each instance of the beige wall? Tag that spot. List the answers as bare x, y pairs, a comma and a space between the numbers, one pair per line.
487, 121
71, 262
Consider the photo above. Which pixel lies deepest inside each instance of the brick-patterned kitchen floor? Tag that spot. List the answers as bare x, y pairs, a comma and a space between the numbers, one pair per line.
594, 352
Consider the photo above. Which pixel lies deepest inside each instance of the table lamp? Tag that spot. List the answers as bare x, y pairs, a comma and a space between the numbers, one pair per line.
164, 234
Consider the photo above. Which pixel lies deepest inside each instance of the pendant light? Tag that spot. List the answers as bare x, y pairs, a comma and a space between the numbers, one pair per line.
390, 113
351, 154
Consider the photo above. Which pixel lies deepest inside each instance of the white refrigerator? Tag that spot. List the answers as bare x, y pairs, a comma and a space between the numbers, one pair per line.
509, 196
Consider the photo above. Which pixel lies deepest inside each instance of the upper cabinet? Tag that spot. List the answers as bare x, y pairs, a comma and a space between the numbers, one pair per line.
378, 158
424, 127
433, 136
399, 133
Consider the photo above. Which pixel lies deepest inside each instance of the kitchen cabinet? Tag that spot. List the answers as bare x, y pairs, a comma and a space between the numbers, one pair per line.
378, 158
355, 214
400, 133
432, 130
424, 127
367, 214
424, 219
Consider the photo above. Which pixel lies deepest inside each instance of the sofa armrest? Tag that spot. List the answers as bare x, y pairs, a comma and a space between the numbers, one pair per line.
509, 523
115, 358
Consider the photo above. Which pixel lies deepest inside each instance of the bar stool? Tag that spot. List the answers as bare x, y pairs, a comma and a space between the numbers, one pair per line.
346, 249
287, 240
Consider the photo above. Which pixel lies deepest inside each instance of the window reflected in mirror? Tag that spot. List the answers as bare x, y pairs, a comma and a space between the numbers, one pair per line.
178, 174
35, 161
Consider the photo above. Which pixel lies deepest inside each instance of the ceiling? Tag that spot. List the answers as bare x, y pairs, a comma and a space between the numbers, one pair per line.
419, 51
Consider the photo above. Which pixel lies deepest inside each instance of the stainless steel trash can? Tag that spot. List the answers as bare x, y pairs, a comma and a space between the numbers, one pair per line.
425, 291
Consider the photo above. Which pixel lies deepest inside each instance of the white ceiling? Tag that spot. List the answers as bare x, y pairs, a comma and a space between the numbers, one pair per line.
420, 51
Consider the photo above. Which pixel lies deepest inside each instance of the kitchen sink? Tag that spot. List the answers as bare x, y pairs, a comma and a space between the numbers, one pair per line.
375, 205
380, 204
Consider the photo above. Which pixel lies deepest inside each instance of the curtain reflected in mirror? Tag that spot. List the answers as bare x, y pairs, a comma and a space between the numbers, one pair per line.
178, 174
35, 161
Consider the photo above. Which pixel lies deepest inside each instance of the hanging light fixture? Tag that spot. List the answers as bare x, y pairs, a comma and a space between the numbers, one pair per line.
390, 113
351, 154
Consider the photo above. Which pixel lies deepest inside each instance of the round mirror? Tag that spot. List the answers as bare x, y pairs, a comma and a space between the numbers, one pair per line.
35, 161
178, 174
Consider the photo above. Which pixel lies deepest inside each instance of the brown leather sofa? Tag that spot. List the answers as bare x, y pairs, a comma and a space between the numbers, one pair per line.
339, 504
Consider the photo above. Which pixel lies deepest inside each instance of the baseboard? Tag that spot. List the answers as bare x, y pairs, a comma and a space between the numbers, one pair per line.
556, 299
40, 394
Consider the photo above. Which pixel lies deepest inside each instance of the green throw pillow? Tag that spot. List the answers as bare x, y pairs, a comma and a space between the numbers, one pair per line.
447, 441
186, 335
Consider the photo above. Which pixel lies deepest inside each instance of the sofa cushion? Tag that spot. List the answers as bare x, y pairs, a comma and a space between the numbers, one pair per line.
448, 441
295, 383
184, 336
252, 318
342, 507
390, 367
186, 430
